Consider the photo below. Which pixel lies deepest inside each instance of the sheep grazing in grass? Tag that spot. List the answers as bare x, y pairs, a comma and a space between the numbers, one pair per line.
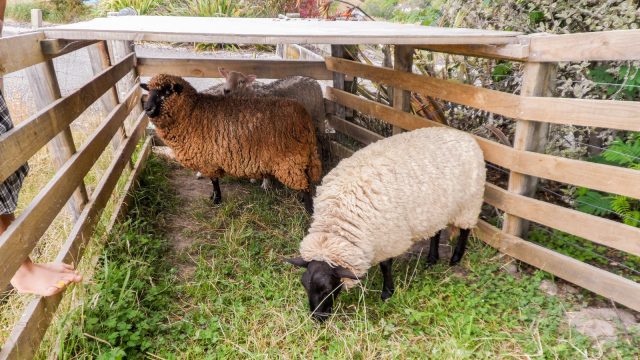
219, 135
374, 205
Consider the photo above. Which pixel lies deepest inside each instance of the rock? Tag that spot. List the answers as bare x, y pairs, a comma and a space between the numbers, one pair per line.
549, 287
602, 323
568, 289
510, 268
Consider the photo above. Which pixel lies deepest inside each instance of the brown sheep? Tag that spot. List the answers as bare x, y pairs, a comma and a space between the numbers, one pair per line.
219, 135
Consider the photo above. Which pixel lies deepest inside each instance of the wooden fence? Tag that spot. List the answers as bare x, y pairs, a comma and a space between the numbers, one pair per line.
532, 109
49, 126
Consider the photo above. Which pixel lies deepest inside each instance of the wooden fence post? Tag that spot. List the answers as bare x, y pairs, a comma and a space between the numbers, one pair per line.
338, 79
538, 80
45, 89
402, 61
99, 57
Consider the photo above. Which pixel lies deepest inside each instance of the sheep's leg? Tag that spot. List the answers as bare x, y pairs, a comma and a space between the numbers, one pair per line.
460, 246
308, 201
387, 279
434, 246
217, 194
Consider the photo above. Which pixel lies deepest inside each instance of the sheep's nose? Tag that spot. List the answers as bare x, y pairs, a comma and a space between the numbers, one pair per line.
227, 91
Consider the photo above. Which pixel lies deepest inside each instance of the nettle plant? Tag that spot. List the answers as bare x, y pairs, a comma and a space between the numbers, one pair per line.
621, 83
625, 153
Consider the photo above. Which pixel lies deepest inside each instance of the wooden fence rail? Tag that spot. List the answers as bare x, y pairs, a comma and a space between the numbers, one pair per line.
32, 134
602, 177
22, 142
22, 236
208, 68
621, 115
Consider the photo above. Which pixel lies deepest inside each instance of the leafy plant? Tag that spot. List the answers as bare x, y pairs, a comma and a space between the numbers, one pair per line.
142, 7
619, 153
623, 82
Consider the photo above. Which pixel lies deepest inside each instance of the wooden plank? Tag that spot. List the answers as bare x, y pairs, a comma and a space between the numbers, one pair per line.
357, 132
538, 80
99, 59
25, 339
58, 47
593, 46
620, 115
45, 90
340, 151
514, 52
402, 61
19, 144
21, 51
379, 111
599, 230
338, 51
601, 177
614, 287
271, 31
19, 240
208, 68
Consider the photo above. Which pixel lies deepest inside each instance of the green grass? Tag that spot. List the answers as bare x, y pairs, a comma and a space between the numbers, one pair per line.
230, 295
58, 11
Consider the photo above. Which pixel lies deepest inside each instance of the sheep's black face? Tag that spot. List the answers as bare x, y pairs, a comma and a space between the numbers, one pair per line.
322, 284
157, 97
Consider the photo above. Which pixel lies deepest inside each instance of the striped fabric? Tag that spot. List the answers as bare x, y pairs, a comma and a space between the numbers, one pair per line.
10, 188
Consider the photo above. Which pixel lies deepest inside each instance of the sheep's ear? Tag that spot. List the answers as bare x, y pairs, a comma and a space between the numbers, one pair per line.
344, 273
249, 79
298, 262
223, 72
144, 86
177, 88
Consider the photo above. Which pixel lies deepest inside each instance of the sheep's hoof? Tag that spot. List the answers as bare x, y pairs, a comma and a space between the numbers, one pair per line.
432, 261
455, 260
386, 294
216, 200
266, 184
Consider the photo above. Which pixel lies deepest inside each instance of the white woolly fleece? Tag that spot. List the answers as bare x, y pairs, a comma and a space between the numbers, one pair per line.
375, 204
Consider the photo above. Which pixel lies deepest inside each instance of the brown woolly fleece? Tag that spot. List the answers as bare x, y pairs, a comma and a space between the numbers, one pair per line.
238, 136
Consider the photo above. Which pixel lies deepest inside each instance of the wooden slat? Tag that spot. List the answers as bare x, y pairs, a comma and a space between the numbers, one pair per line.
99, 59
593, 46
621, 115
379, 111
402, 61
25, 339
538, 80
19, 144
516, 52
357, 132
21, 237
208, 68
599, 230
340, 151
58, 47
21, 51
45, 90
617, 288
271, 31
601, 177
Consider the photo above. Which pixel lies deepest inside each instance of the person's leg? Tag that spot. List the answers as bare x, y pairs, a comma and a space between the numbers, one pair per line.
40, 279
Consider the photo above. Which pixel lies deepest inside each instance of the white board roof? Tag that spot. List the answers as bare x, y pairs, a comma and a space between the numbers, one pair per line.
271, 31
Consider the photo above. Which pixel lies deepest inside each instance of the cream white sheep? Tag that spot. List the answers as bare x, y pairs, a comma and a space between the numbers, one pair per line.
374, 205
